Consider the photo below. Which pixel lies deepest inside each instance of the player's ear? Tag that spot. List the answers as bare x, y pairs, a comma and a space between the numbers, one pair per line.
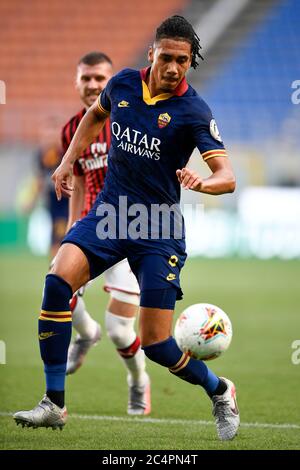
150, 53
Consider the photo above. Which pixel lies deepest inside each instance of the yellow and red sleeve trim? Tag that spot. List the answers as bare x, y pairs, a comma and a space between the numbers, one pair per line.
214, 153
100, 107
181, 364
55, 316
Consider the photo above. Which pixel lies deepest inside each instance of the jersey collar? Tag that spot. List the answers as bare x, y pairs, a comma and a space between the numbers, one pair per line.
179, 90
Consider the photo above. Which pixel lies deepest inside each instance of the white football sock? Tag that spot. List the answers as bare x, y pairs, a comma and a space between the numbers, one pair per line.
82, 321
121, 332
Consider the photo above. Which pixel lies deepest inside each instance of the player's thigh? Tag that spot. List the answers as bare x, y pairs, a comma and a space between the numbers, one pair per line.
72, 265
155, 325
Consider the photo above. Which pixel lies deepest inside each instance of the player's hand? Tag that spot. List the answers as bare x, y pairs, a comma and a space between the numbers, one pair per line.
189, 179
62, 180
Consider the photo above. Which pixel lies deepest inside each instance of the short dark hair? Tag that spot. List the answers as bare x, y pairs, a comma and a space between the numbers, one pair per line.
177, 27
94, 58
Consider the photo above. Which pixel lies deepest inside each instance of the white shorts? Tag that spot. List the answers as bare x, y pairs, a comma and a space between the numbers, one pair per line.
120, 283
120, 278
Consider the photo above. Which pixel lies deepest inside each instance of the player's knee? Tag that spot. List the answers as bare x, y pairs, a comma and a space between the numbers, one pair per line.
166, 353
57, 294
72, 265
120, 329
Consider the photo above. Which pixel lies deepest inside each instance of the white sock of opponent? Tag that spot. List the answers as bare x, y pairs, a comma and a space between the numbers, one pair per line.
82, 321
121, 332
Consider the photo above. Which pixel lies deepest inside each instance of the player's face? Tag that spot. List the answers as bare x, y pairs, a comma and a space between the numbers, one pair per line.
170, 60
91, 80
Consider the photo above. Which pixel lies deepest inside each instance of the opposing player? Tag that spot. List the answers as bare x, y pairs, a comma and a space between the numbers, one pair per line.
93, 72
156, 120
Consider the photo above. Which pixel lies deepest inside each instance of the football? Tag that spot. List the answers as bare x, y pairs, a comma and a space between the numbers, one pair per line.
204, 331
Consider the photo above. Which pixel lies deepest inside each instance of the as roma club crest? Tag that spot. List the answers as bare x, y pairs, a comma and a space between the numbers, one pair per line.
163, 120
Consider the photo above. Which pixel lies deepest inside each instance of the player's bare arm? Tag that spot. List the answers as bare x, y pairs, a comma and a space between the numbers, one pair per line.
76, 201
221, 181
88, 129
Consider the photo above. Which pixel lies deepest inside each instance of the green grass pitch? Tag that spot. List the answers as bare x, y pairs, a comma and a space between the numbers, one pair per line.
262, 299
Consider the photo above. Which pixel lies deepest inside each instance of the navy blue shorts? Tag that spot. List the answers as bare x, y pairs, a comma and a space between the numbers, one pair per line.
155, 263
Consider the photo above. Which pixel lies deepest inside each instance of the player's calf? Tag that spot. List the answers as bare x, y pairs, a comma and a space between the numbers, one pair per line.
55, 325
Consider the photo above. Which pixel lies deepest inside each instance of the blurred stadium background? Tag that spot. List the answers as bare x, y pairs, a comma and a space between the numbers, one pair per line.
251, 80
251, 63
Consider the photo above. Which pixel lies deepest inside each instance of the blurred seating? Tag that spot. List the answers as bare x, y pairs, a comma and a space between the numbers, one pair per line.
41, 42
251, 92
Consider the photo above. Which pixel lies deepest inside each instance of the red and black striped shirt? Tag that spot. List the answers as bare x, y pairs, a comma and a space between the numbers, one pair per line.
92, 164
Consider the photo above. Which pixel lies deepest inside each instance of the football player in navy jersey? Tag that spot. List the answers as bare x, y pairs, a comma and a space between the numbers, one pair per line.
93, 72
157, 119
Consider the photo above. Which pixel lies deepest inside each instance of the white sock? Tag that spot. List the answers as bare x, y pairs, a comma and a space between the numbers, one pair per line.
121, 332
82, 321
136, 366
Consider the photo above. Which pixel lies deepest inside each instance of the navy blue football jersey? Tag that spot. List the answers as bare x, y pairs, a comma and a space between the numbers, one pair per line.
153, 137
